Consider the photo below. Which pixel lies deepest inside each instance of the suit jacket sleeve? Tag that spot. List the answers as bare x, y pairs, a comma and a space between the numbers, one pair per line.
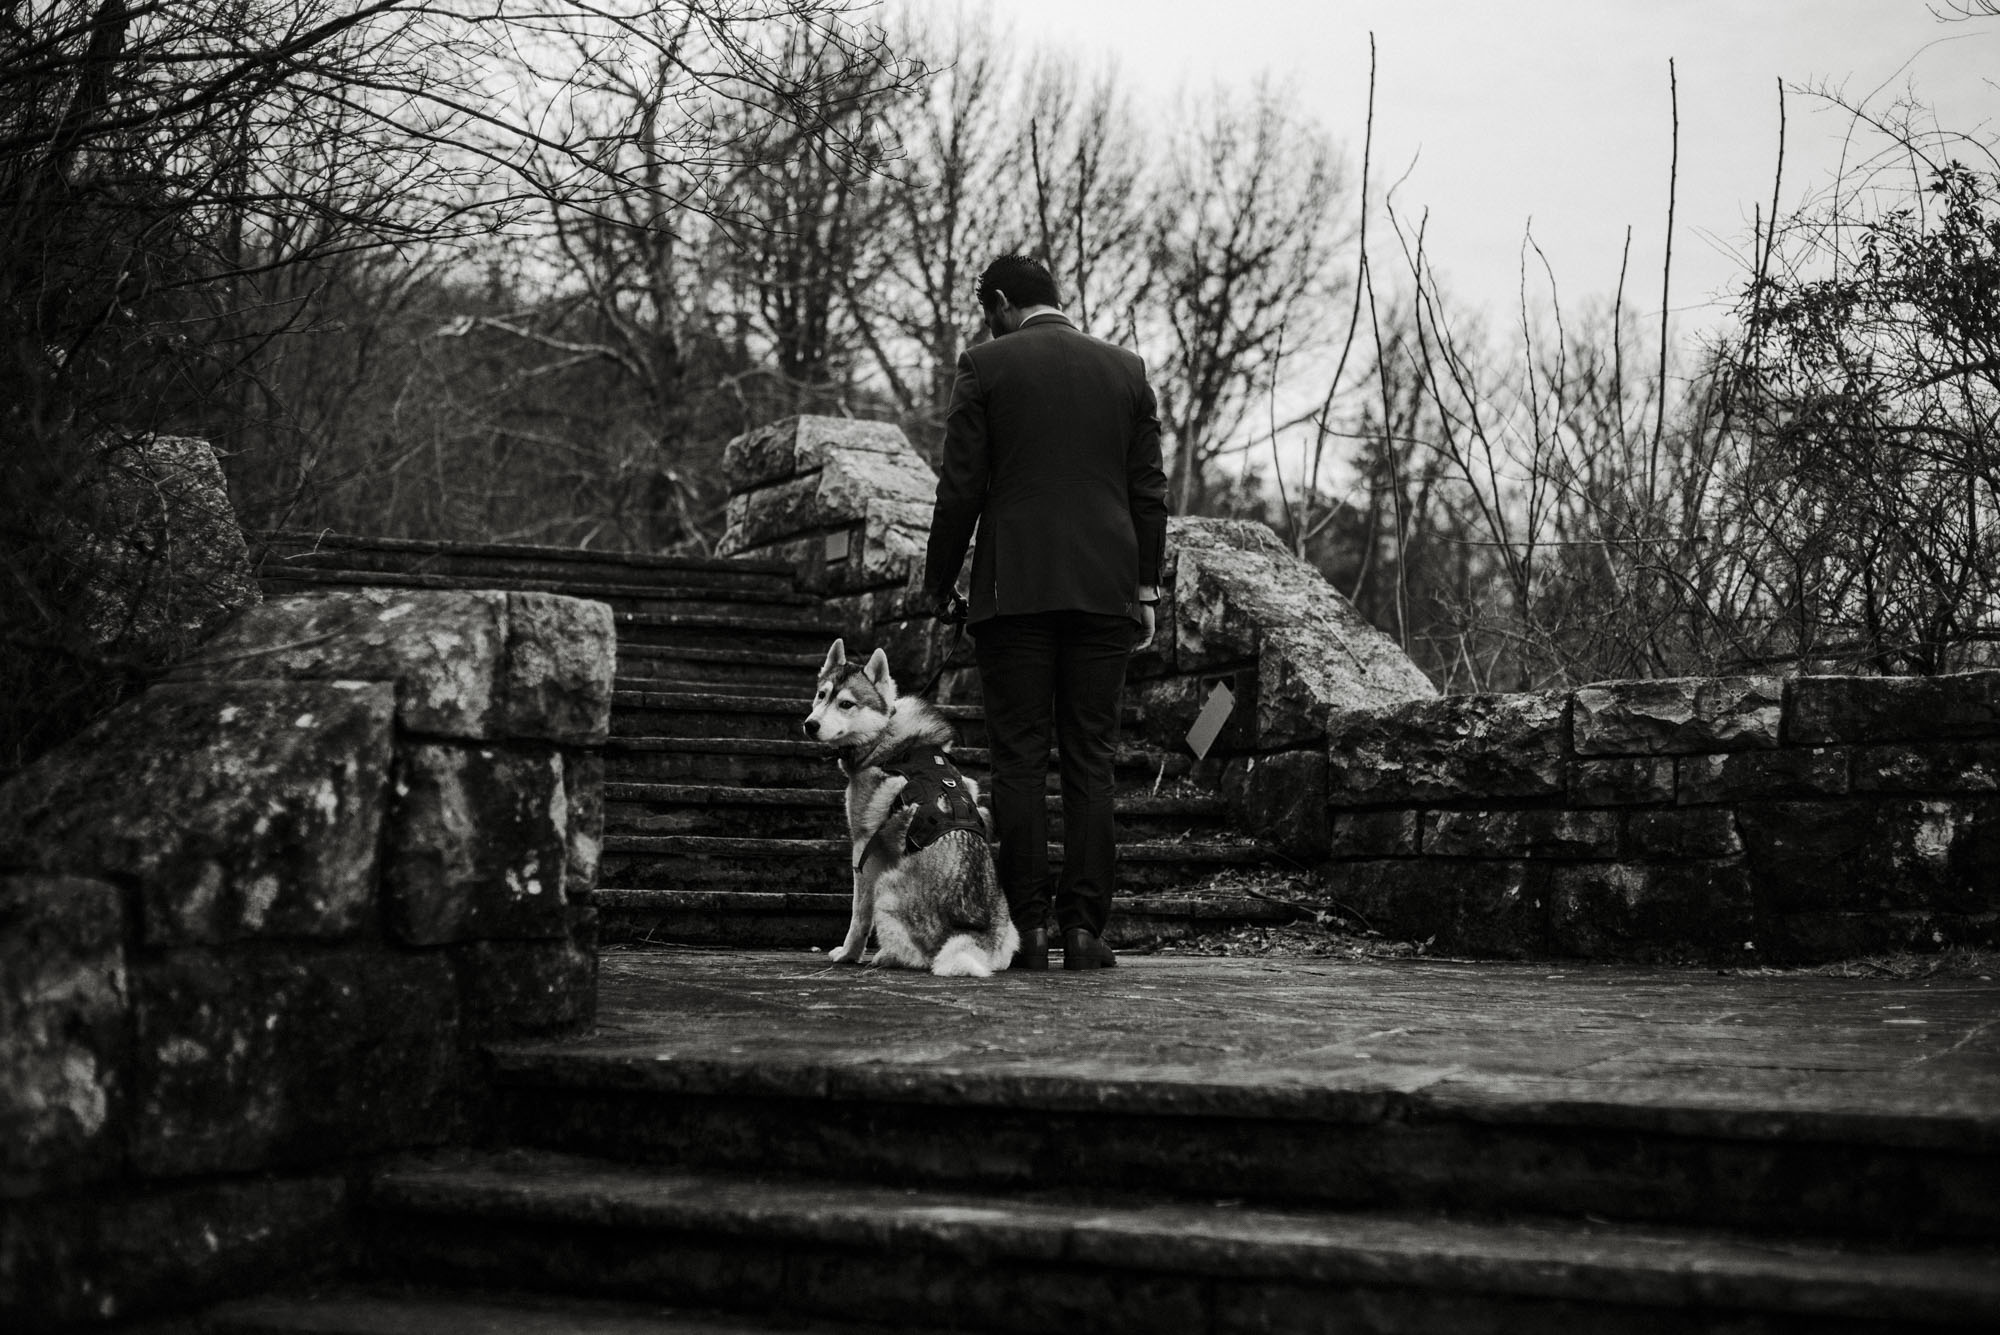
1146, 486
962, 478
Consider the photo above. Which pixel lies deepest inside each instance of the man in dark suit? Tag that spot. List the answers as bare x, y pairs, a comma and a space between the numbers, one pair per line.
1052, 449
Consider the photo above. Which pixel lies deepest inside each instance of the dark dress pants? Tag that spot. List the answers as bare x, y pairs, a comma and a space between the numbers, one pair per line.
1064, 669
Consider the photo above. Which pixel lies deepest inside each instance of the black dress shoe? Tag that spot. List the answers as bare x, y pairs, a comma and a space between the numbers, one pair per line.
1033, 954
1084, 949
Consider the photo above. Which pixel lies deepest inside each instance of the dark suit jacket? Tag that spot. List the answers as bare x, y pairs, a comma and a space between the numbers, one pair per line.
1052, 449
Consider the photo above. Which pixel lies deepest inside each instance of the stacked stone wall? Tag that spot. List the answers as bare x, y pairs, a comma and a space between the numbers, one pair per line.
847, 504
255, 922
1740, 821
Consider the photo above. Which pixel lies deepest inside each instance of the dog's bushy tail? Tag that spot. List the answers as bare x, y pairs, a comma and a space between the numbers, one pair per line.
968, 956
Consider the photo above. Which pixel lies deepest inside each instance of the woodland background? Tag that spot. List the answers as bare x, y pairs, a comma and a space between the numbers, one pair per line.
518, 271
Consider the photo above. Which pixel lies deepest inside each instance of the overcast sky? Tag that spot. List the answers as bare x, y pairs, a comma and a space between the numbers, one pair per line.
1556, 110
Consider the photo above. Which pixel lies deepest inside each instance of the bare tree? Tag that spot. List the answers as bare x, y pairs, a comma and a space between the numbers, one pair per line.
1086, 191
1868, 400
947, 212
1238, 267
186, 187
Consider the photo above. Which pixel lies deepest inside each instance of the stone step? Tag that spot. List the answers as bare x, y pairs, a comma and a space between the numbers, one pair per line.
290, 578
1368, 1136
785, 672
1838, 1108
504, 563
776, 920
707, 862
642, 708
702, 629
1034, 1262
759, 763
800, 813
384, 1310
704, 714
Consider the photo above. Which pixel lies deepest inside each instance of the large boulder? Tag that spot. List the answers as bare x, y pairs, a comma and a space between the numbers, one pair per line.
160, 560
1238, 594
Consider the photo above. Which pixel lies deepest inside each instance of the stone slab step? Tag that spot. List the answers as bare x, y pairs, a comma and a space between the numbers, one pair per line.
366, 1311
514, 560
1302, 1082
755, 762
702, 629
295, 578
735, 669
767, 920
702, 862
798, 813
1215, 854
640, 708
708, 714
1028, 1262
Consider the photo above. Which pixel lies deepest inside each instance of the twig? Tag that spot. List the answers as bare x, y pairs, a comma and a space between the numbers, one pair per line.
1666, 286
1309, 910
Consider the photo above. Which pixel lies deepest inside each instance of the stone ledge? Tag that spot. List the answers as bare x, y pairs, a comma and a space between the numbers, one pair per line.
1459, 747
1678, 715
803, 444
476, 663
239, 810
1894, 709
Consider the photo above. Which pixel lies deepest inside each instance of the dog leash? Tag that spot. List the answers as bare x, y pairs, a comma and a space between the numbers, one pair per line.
954, 611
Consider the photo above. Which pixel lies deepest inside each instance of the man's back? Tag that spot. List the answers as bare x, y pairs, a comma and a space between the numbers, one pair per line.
1052, 448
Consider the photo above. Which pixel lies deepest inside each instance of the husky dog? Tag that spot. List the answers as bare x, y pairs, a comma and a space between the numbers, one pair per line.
923, 874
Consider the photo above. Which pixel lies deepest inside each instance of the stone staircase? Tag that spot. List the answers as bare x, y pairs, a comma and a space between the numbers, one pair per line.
723, 825
727, 1141
752, 1142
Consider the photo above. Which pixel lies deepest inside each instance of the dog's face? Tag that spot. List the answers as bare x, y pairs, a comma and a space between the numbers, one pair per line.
852, 701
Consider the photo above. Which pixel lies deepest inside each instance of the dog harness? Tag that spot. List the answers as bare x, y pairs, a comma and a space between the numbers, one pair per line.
938, 792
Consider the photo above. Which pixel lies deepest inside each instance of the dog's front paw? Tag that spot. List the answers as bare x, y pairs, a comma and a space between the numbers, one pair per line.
839, 955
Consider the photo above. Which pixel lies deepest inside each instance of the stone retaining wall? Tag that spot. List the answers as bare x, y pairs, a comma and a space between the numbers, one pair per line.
254, 922
1738, 821
1735, 820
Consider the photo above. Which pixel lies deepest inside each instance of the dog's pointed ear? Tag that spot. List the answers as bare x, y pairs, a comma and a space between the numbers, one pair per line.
877, 670
835, 657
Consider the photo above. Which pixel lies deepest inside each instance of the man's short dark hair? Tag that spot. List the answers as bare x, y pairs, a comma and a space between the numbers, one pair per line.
1026, 282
